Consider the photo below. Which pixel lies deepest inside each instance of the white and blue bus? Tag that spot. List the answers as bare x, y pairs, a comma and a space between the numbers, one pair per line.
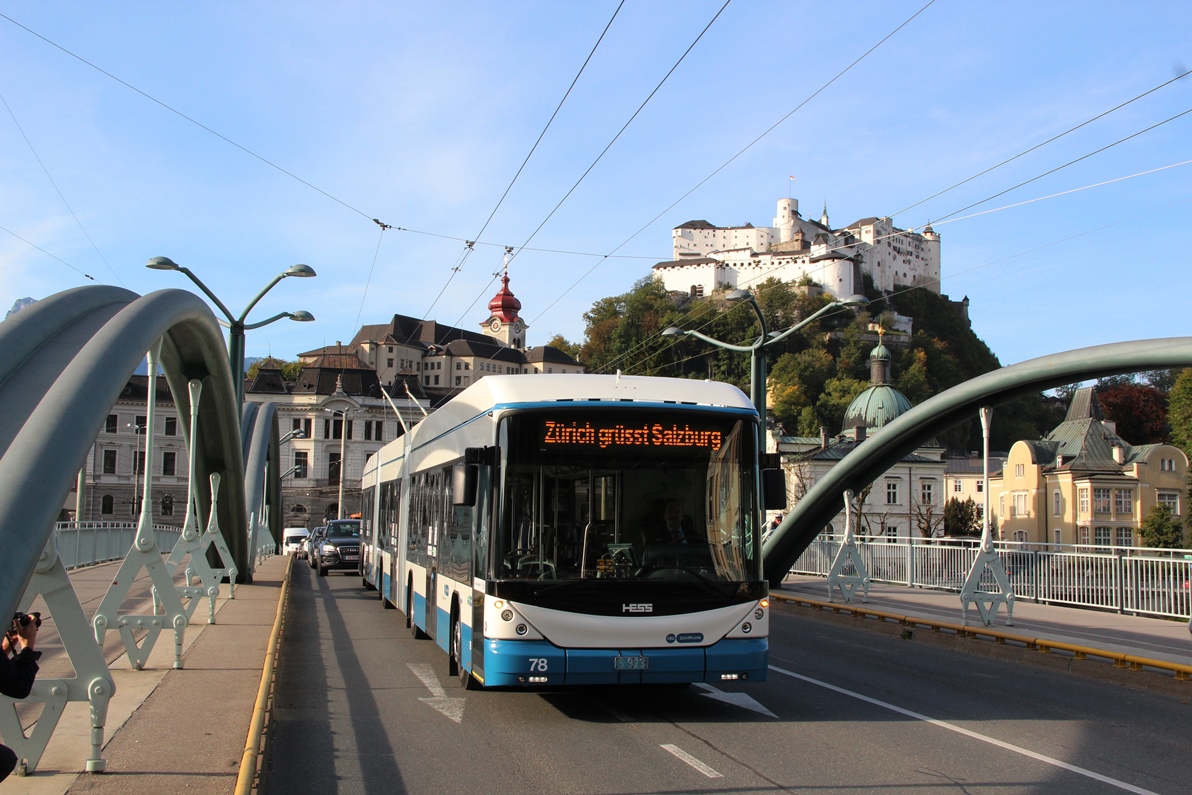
578, 529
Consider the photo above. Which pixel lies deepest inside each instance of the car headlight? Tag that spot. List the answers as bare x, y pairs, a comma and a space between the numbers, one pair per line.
329, 548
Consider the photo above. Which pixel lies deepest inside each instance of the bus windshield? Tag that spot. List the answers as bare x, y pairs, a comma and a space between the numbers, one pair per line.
627, 494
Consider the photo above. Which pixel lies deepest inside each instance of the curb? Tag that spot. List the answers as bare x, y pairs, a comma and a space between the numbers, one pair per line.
247, 779
1132, 662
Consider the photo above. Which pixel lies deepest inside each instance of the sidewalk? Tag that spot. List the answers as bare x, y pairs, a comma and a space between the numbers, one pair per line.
167, 730
1147, 637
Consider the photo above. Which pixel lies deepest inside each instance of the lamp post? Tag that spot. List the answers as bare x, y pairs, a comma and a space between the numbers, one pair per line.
343, 414
757, 349
236, 325
136, 460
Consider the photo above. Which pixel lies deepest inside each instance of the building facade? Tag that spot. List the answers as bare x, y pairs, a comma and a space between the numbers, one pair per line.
113, 472
351, 400
1083, 484
706, 257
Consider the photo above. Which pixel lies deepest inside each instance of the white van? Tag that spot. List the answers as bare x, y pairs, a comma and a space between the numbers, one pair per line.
292, 538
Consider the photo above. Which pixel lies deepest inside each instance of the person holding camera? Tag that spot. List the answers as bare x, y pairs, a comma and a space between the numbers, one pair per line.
18, 669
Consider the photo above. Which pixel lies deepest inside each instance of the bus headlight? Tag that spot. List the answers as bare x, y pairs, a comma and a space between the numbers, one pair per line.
522, 629
759, 614
506, 615
747, 627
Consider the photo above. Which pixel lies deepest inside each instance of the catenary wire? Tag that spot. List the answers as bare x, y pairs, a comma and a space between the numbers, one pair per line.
619, 133
747, 147
58, 190
470, 244
1041, 144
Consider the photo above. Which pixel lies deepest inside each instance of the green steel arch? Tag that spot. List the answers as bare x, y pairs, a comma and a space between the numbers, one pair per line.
905, 433
260, 437
63, 362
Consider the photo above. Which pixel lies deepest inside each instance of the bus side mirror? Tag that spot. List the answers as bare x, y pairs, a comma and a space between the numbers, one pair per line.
774, 489
463, 484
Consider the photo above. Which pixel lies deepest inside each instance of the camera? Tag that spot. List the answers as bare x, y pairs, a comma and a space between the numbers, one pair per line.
23, 620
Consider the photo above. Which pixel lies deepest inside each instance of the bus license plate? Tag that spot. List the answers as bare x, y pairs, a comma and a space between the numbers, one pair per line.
631, 663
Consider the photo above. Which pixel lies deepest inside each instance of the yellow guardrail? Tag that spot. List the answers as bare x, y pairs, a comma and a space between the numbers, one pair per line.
1120, 660
252, 745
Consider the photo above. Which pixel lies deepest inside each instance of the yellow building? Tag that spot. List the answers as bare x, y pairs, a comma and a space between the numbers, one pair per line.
1084, 484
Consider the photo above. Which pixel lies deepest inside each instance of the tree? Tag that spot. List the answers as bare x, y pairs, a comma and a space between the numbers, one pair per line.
559, 342
1140, 412
1161, 529
928, 518
962, 518
290, 371
1179, 412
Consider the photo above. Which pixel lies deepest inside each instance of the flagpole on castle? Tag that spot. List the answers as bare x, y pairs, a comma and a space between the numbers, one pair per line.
789, 194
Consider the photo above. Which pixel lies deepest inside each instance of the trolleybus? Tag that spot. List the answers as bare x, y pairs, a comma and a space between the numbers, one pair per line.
578, 529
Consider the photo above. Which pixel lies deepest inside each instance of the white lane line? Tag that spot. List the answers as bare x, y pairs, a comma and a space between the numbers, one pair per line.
426, 675
1113, 782
691, 760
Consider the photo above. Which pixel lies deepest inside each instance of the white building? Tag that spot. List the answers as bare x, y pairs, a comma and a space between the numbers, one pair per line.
707, 256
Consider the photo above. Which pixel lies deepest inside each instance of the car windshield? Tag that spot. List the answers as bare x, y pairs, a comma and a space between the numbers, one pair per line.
663, 496
345, 529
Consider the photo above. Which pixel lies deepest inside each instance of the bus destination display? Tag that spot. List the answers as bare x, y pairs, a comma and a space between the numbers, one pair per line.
556, 435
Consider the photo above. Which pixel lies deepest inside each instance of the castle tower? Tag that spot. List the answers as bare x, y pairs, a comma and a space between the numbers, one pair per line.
787, 219
503, 324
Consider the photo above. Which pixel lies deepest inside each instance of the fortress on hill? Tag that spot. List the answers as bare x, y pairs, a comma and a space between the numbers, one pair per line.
706, 256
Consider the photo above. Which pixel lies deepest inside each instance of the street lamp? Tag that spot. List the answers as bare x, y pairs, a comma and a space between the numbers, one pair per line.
236, 325
343, 464
137, 429
757, 349
297, 433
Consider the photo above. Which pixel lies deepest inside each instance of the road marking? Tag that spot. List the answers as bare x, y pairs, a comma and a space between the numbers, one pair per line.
968, 733
691, 760
736, 699
453, 708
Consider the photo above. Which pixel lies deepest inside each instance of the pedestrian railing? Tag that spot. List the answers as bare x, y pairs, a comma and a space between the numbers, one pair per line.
88, 543
1134, 580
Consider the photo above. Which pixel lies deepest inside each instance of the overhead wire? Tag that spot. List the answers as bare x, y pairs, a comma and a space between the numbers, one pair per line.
946, 218
949, 219
617, 136
470, 245
1041, 144
745, 149
61, 196
48, 254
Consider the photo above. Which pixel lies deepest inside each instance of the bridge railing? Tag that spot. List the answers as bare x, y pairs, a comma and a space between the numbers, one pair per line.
1134, 580
88, 543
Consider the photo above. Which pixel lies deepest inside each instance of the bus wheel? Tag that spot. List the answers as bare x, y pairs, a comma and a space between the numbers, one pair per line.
457, 667
415, 632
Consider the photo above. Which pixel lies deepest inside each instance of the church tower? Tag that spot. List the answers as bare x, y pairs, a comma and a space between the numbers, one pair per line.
503, 324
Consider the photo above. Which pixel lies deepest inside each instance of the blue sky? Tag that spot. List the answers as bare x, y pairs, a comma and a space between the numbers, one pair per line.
419, 114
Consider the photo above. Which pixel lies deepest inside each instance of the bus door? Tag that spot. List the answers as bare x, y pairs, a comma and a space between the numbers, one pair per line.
440, 503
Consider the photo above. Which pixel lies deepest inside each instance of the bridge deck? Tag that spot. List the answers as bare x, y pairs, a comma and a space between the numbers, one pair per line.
184, 730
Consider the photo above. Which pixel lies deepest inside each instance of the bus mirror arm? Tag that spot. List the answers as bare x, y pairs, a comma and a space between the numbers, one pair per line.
480, 456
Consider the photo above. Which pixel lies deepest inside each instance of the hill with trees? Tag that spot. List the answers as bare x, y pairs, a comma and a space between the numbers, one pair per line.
816, 372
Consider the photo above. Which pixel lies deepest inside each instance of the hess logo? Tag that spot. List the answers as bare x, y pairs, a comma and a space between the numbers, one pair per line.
637, 608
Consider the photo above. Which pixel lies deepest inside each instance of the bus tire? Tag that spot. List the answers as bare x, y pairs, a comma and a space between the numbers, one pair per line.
415, 631
466, 680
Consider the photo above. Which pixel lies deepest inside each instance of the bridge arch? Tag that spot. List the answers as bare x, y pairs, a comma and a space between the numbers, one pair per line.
63, 362
907, 432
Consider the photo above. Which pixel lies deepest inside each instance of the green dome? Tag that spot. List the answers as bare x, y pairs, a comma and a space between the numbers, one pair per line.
876, 406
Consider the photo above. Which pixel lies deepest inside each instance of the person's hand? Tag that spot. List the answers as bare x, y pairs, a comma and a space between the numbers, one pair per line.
8, 643
27, 634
